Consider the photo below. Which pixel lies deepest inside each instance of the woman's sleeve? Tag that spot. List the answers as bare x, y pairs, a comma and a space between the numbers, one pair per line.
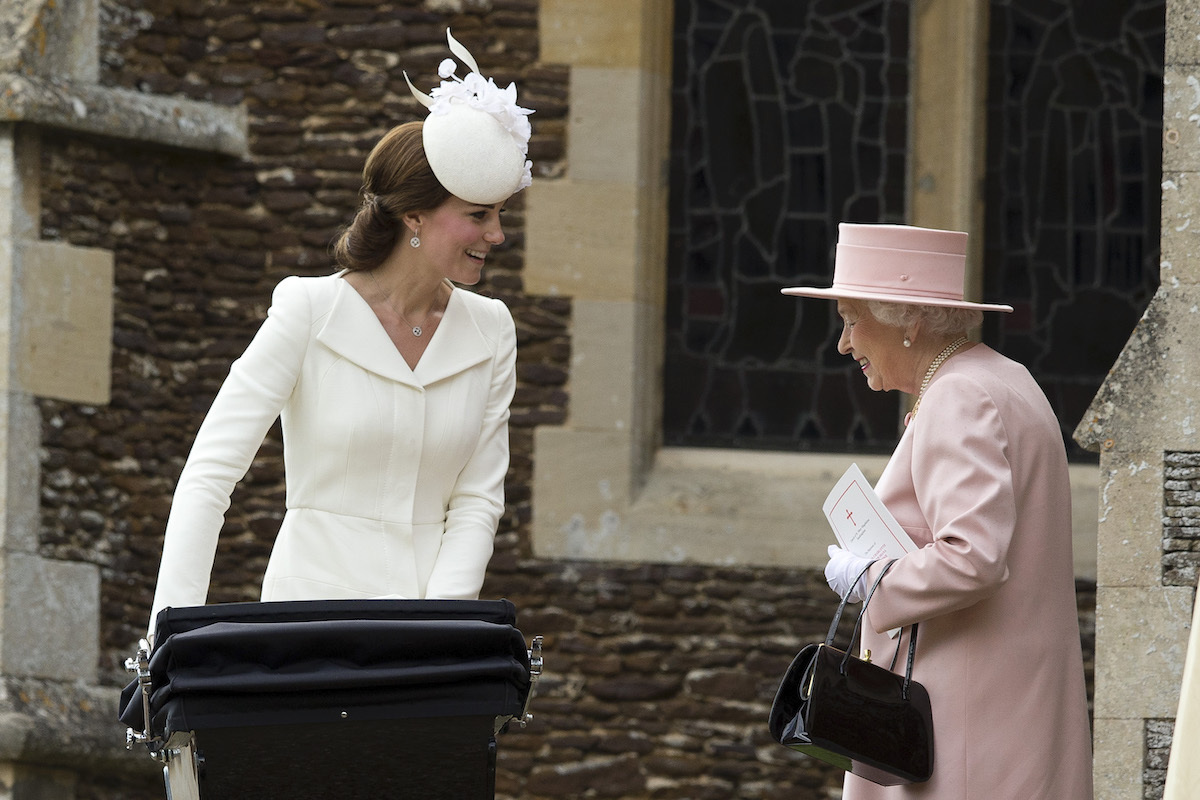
963, 480
248, 403
477, 500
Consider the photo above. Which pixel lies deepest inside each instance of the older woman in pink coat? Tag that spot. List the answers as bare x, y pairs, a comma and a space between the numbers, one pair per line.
979, 481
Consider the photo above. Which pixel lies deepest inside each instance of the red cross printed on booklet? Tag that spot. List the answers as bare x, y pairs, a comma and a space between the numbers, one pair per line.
861, 522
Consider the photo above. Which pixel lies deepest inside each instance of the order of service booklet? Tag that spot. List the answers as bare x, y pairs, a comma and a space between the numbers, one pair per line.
860, 520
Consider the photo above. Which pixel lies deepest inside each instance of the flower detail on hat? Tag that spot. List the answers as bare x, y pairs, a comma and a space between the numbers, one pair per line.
484, 95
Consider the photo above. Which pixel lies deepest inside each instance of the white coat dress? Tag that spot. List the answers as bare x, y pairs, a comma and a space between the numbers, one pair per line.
395, 476
979, 481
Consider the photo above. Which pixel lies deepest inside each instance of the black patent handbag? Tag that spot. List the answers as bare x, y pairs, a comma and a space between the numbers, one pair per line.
853, 714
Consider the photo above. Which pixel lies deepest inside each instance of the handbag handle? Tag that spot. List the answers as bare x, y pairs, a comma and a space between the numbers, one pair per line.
837, 617
912, 639
867, 599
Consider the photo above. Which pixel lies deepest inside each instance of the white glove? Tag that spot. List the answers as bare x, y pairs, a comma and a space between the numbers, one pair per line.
843, 568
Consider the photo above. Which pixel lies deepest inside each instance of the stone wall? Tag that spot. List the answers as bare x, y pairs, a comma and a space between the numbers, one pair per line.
658, 678
1158, 737
1141, 422
1181, 518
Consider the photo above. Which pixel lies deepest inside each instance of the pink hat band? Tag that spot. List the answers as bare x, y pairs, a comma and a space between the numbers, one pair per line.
910, 273
899, 264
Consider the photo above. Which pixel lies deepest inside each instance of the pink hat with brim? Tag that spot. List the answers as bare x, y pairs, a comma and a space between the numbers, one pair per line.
899, 264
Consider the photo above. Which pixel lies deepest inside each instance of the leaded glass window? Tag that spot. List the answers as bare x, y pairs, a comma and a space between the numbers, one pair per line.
788, 116
1073, 171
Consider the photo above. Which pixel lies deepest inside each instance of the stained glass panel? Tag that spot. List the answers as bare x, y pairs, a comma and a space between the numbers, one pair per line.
1073, 170
788, 117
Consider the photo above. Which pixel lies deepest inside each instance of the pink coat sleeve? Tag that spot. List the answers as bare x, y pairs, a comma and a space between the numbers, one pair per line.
961, 503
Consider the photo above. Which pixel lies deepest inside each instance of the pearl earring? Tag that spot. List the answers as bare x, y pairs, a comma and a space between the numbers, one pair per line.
907, 342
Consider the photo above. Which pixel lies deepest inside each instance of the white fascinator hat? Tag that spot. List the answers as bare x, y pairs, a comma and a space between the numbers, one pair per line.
476, 137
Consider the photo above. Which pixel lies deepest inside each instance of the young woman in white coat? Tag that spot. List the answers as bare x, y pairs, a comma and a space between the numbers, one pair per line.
979, 481
391, 382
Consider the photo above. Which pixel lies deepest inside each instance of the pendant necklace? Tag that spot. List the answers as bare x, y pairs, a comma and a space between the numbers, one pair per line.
416, 329
933, 367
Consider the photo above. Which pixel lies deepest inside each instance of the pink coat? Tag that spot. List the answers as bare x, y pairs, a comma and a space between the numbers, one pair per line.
979, 480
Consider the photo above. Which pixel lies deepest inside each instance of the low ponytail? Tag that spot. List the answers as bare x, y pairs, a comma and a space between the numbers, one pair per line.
369, 238
396, 180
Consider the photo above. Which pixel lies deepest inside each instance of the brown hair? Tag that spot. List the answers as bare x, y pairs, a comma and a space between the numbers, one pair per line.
396, 180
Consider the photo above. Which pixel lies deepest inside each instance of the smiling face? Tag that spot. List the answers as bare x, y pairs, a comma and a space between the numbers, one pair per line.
457, 236
878, 348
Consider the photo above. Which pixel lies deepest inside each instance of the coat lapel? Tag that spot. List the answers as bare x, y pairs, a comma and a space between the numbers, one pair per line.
457, 345
353, 332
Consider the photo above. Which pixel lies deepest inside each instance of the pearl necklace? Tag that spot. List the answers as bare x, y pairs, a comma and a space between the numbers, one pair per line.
933, 367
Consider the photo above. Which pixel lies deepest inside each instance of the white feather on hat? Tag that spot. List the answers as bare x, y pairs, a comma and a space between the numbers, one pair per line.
476, 137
